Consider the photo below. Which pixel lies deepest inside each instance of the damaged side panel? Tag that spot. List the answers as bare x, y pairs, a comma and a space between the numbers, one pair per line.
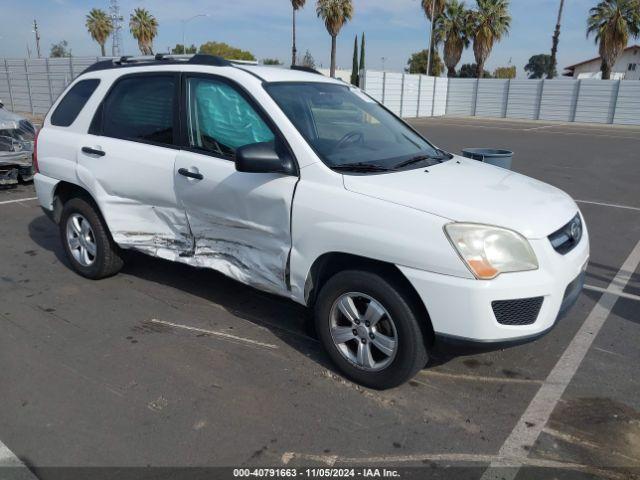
246, 252
157, 231
240, 221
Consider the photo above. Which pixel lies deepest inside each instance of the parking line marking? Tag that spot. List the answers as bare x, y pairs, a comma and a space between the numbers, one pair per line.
331, 460
216, 334
619, 294
478, 378
9, 459
534, 419
18, 200
551, 132
613, 205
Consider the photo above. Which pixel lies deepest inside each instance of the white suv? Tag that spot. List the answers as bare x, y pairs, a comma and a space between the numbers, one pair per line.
305, 187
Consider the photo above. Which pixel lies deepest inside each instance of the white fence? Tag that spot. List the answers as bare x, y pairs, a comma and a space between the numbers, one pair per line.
592, 101
32, 85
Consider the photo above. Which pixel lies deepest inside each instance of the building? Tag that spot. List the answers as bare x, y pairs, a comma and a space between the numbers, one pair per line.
626, 68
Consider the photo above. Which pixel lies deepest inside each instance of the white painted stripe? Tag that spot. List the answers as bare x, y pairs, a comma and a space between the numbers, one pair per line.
536, 416
551, 132
9, 459
613, 205
18, 200
476, 378
620, 294
216, 334
455, 458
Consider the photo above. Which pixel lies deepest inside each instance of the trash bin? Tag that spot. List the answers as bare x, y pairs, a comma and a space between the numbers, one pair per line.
492, 156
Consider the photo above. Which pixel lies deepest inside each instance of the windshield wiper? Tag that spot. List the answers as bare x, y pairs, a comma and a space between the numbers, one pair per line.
360, 167
417, 159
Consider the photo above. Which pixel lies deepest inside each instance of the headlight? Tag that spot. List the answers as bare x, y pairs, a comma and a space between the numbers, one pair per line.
489, 251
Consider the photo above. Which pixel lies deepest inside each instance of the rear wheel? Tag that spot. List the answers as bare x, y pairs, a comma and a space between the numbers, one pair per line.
86, 240
370, 329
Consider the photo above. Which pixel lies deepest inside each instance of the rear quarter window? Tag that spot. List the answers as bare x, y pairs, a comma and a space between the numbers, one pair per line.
70, 106
141, 108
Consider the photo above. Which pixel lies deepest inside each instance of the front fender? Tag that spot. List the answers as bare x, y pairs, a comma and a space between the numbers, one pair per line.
327, 219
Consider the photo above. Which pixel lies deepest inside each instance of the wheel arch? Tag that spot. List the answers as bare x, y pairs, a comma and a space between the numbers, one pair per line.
64, 192
328, 264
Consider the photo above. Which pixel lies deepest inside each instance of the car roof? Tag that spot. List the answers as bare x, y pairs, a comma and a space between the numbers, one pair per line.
207, 63
281, 74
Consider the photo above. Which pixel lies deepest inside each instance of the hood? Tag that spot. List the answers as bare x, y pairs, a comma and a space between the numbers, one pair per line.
466, 190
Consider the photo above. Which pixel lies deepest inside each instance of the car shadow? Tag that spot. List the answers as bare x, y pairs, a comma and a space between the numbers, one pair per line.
287, 320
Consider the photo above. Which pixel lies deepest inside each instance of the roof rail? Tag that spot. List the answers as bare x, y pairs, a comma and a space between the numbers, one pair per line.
302, 68
160, 58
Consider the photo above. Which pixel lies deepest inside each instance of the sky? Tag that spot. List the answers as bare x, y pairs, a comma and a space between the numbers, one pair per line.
394, 29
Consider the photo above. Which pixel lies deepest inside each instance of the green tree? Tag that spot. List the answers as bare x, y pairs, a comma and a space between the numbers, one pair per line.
144, 28
553, 64
100, 26
453, 27
179, 49
470, 70
334, 13
418, 63
613, 22
362, 64
538, 65
60, 49
271, 61
505, 72
489, 23
433, 9
297, 5
224, 50
355, 69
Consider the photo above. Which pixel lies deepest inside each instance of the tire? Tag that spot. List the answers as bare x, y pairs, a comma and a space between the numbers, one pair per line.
385, 367
81, 220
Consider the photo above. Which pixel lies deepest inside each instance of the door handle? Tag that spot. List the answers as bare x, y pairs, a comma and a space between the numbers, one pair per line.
93, 151
186, 173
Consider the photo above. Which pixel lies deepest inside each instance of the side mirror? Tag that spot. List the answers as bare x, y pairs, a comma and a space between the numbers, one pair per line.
1, 103
263, 158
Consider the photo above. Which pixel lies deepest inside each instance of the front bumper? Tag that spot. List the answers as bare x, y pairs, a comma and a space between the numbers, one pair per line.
460, 308
16, 165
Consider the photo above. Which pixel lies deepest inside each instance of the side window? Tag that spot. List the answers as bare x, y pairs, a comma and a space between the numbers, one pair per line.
69, 107
220, 120
141, 108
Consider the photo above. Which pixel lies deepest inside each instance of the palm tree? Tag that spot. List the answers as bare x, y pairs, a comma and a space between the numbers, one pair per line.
554, 45
613, 22
453, 27
488, 24
100, 26
144, 28
334, 13
433, 9
296, 4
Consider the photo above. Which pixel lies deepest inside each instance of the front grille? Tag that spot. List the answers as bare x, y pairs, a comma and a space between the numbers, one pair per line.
566, 238
521, 311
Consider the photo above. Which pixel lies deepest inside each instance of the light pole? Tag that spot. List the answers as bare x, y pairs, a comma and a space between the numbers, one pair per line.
35, 30
384, 59
184, 23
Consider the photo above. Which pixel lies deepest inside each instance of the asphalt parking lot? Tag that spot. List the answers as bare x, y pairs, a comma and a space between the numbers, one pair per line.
165, 365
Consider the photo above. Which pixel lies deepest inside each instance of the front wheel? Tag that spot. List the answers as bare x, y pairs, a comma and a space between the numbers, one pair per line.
369, 329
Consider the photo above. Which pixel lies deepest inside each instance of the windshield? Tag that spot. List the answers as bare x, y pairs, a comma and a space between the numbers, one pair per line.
347, 128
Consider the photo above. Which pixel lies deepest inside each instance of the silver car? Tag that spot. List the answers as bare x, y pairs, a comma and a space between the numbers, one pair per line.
16, 147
